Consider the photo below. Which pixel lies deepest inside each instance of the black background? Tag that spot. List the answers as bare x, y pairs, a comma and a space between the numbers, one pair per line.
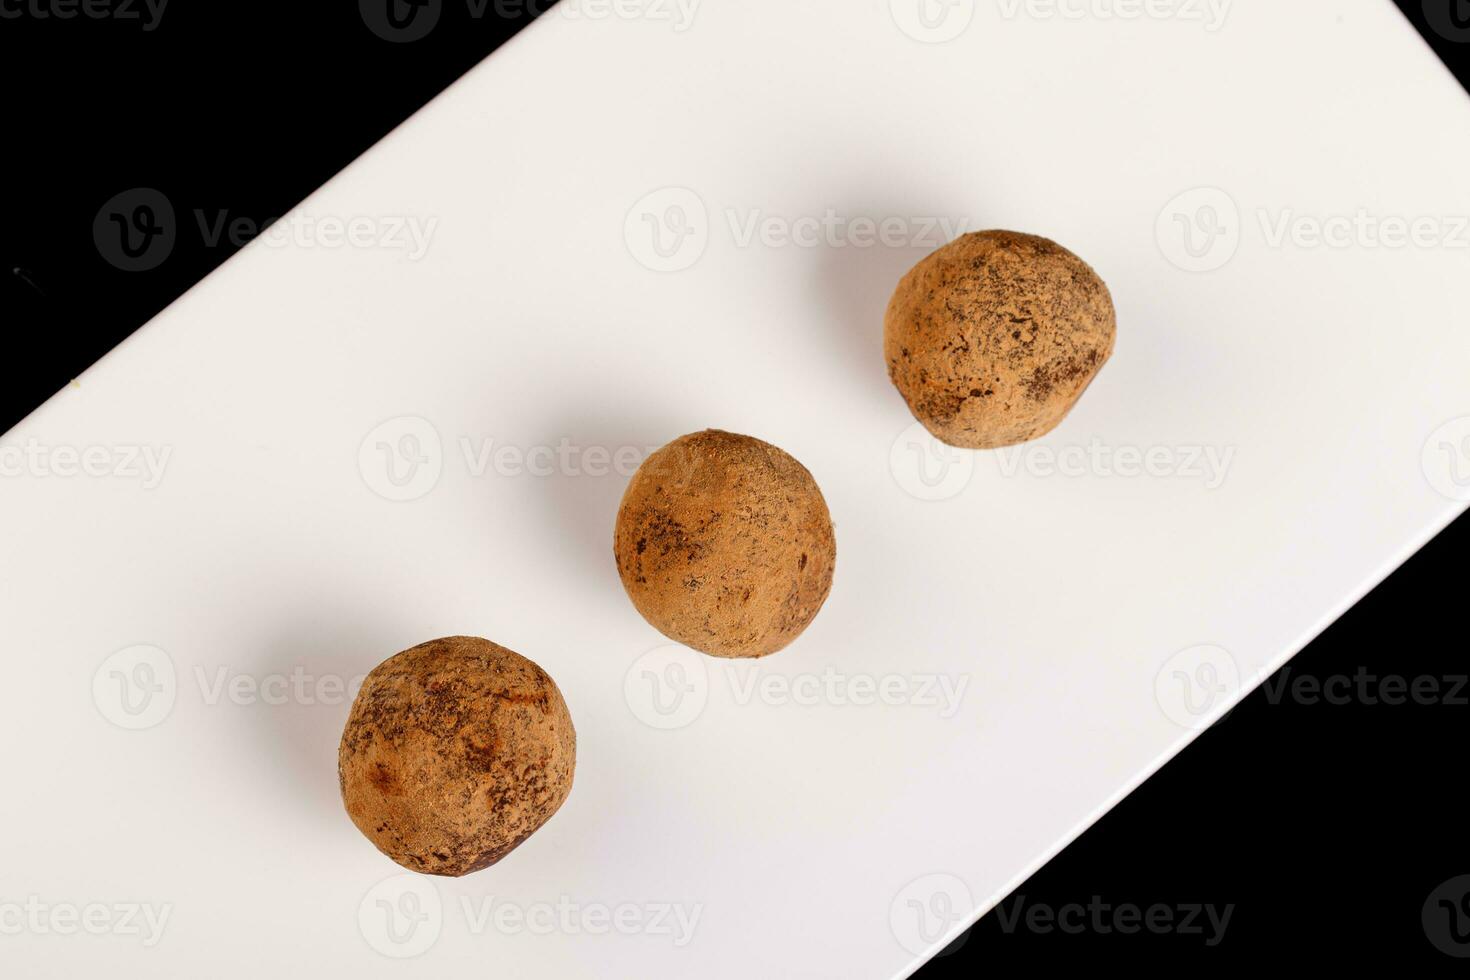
1326, 826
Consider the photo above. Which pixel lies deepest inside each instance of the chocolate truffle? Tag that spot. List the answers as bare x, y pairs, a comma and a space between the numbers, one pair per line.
993, 338
724, 543
455, 752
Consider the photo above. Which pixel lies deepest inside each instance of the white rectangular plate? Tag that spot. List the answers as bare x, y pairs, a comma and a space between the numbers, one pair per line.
1266, 444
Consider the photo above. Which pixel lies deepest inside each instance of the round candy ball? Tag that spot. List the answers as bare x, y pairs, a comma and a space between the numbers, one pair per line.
724, 543
455, 752
993, 338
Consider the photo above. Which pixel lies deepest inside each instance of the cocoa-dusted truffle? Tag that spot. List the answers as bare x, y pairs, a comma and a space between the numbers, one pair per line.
724, 544
455, 752
993, 338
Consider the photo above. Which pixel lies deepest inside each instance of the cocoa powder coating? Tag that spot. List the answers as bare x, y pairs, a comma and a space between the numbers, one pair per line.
993, 338
455, 752
724, 543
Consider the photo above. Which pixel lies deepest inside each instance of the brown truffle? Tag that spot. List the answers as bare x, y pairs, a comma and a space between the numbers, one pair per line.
993, 338
724, 544
455, 752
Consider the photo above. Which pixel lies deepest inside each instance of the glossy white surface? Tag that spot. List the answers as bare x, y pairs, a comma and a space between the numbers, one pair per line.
813, 836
